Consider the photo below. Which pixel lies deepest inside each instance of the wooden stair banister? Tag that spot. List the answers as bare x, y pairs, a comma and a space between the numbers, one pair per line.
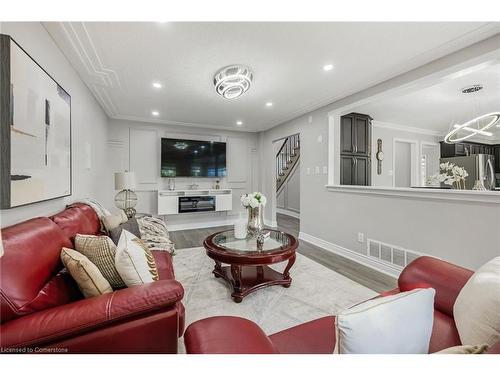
286, 159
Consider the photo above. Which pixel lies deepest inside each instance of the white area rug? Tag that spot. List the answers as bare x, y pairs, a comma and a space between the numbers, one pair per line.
316, 291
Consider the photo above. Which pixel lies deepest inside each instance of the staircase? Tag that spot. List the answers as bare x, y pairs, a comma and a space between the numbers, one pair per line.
286, 158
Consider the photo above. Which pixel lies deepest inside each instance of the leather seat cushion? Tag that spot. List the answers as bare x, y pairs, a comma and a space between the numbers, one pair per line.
314, 337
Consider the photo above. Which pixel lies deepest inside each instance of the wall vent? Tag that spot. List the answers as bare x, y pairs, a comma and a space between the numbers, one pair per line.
394, 255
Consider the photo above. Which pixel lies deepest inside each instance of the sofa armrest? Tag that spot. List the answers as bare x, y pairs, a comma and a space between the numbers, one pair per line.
89, 314
446, 278
227, 335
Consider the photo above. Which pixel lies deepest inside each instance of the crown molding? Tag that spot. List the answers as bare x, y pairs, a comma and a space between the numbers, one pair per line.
180, 123
409, 129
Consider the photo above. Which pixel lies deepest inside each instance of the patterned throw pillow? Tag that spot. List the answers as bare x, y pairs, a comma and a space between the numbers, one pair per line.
134, 261
101, 251
88, 277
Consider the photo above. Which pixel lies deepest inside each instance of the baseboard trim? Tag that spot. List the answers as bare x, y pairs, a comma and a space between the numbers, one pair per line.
288, 213
350, 254
200, 225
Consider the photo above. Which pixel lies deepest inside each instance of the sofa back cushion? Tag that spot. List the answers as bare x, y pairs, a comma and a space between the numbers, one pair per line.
78, 218
31, 276
445, 278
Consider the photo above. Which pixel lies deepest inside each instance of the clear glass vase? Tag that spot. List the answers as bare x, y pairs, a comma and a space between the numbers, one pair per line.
255, 220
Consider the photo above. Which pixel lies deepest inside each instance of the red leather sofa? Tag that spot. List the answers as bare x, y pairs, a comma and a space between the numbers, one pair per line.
233, 335
42, 309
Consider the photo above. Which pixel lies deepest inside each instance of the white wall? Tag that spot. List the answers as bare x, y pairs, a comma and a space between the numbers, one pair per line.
464, 233
136, 146
387, 133
88, 122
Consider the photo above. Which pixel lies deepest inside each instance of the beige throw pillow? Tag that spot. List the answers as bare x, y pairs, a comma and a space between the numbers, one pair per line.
101, 251
86, 274
465, 349
134, 261
477, 307
112, 221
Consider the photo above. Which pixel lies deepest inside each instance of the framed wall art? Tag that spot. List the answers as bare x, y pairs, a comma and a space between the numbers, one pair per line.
35, 130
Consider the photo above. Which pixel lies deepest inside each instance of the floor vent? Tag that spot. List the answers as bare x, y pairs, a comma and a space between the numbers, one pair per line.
391, 254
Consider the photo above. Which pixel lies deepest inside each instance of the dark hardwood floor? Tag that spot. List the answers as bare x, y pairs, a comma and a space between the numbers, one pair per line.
363, 275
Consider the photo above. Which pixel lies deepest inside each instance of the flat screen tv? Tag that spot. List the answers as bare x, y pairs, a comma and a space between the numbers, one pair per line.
187, 158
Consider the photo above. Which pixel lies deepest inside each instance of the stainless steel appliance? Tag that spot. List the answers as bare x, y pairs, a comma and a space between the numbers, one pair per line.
480, 168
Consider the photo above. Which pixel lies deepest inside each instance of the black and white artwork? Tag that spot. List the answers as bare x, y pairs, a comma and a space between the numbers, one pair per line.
35, 130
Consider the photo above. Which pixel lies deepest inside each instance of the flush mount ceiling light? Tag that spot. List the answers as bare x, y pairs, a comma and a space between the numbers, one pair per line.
157, 85
476, 126
239, 123
233, 81
269, 104
327, 67
155, 113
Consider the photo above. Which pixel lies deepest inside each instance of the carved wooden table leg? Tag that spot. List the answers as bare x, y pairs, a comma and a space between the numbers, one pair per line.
217, 269
286, 272
236, 273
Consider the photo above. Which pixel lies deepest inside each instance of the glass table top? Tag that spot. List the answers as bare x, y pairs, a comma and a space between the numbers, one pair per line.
276, 241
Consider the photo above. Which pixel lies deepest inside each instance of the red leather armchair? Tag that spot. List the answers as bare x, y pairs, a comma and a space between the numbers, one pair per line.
42, 307
233, 335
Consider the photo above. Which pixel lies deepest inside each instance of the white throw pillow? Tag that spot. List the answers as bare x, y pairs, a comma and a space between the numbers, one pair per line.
477, 307
134, 261
397, 324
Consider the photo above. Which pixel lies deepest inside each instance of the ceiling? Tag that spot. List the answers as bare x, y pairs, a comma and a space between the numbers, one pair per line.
120, 61
439, 106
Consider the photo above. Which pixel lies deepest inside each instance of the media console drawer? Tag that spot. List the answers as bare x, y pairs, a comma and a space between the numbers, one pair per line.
171, 202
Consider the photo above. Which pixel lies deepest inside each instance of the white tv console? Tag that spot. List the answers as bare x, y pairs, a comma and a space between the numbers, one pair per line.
172, 202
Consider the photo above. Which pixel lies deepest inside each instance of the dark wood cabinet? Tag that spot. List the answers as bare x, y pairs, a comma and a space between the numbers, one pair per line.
355, 149
496, 152
355, 170
355, 134
466, 148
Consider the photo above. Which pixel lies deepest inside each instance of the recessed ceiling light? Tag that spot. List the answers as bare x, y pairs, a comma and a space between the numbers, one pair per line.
269, 104
327, 67
239, 123
155, 113
157, 85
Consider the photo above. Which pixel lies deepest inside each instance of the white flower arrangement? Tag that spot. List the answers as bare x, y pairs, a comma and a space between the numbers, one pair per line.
253, 200
450, 174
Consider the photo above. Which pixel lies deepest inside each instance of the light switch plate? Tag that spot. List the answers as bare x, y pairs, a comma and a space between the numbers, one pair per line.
320, 138
310, 119
317, 169
325, 169
308, 170
361, 237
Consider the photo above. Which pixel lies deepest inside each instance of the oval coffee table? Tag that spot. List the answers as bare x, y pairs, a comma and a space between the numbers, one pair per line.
247, 267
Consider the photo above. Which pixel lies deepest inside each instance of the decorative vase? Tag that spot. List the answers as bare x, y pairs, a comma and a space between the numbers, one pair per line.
255, 220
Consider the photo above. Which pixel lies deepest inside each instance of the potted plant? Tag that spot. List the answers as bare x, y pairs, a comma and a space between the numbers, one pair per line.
450, 174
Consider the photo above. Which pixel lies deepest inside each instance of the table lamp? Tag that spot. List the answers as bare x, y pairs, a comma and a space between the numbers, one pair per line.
126, 199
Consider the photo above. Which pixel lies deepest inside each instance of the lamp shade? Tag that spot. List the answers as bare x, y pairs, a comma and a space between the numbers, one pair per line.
124, 180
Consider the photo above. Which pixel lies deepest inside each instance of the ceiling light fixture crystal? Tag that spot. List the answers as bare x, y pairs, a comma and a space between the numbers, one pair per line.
233, 81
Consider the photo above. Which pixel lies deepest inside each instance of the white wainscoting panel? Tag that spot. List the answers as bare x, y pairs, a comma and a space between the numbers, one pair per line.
237, 159
145, 155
